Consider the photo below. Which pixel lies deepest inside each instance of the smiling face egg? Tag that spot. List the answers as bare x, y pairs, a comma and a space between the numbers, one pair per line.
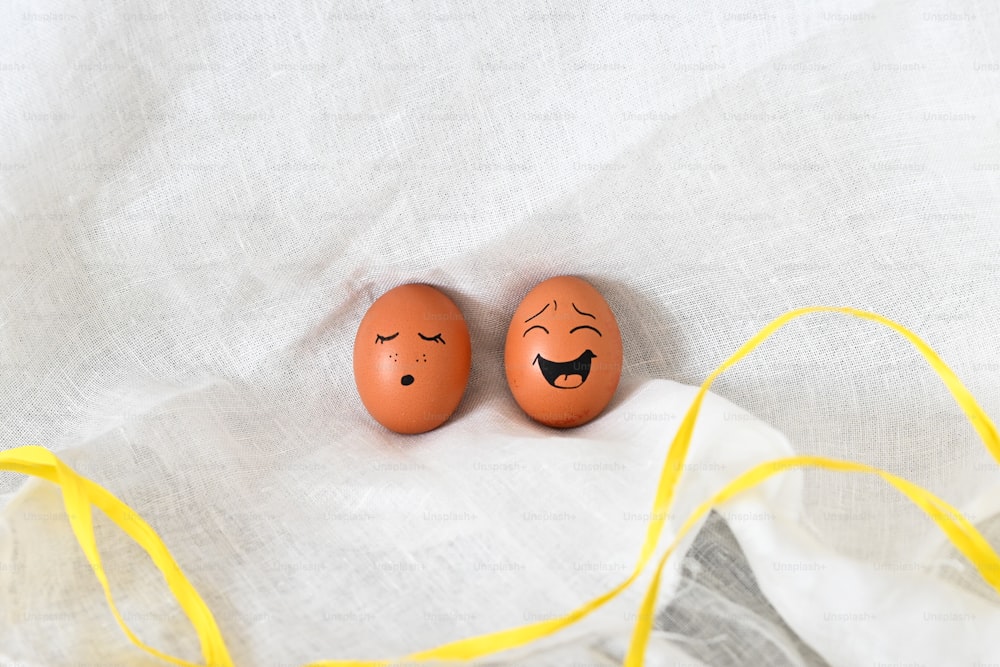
563, 354
412, 357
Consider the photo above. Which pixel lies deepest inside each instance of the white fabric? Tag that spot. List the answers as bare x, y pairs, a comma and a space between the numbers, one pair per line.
198, 203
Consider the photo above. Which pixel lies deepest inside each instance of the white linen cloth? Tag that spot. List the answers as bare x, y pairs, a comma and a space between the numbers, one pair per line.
199, 201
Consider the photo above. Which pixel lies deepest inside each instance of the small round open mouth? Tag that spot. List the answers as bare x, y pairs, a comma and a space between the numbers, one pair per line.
406, 380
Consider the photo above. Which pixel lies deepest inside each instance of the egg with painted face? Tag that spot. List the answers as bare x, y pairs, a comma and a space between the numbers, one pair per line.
412, 357
563, 353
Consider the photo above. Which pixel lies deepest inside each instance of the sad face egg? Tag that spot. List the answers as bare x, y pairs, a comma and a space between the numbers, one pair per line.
412, 357
563, 354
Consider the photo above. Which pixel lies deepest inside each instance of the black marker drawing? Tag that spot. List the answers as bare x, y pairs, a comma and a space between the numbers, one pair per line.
436, 338
536, 314
554, 371
586, 326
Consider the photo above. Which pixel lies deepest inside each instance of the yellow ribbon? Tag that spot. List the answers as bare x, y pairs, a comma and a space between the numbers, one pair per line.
957, 528
80, 494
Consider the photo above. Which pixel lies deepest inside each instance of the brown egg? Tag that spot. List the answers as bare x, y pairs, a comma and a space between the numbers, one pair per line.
412, 357
563, 354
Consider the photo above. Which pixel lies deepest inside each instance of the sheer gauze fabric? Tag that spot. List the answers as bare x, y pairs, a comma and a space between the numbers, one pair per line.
198, 204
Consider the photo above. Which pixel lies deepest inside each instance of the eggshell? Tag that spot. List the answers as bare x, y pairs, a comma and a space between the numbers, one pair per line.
412, 357
563, 354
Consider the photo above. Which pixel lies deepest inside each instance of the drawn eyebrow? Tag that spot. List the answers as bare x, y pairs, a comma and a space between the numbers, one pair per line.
381, 339
587, 326
536, 314
436, 338
537, 326
583, 313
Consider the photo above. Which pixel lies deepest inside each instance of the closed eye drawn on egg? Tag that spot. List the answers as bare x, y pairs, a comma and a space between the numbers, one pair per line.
436, 338
379, 338
583, 313
537, 326
586, 326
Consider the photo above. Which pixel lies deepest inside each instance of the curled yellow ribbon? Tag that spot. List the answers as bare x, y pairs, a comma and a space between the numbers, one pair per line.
80, 495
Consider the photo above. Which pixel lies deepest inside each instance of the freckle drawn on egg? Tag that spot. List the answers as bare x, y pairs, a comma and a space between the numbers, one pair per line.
423, 324
563, 353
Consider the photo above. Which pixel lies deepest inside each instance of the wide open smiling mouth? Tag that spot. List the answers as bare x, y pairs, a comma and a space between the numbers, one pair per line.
566, 374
